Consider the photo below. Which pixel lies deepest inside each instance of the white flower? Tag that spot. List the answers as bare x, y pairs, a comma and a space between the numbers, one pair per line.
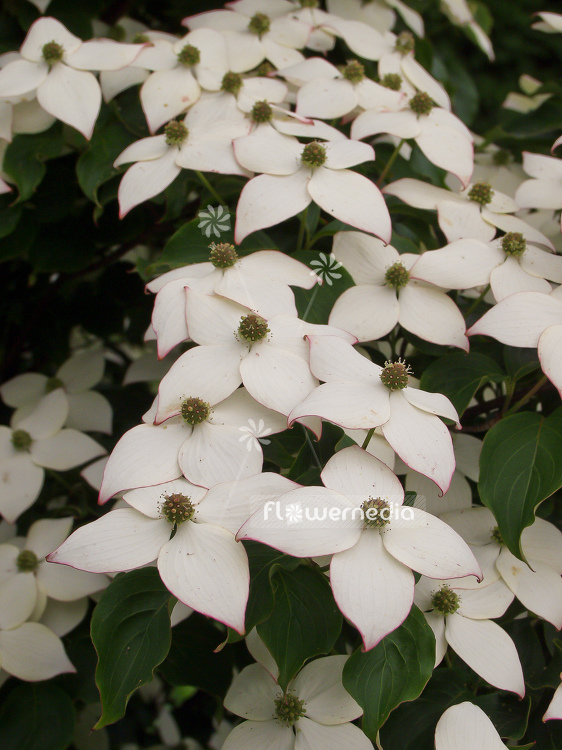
551, 23
378, 14
544, 190
554, 710
465, 727
459, 13
32, 652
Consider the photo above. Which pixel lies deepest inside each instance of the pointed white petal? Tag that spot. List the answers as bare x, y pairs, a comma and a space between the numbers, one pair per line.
543, 193
20, 485
90, 412
274, 265
145, 179
433, 403
65, 450
366, 258
358, 475
148, 500
420, 78
510, 278
252, 694
47, 418
213, 320
21, 77
542, 263
166, 94
554, 710
62, 617
267, 150
474, 525
549, 348
103, 54
520, 319
320, 685
429, 498
255, 735
351, 403
542, 542
429, 313
419, 194
46, 30
326, 98
367, 311
461, 265
466, 726
401, 124
73, 96
66, 584
465, 219
487, 602
23, 388
445, 145
333, 358
144, 150
312, 735
242, 411
18, 595
47, 534
33, 653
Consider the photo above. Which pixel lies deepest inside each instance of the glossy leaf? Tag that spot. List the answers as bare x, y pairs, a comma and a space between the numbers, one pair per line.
37, 717
24, 157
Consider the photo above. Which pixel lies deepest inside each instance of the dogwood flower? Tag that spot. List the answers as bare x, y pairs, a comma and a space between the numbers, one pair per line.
375, 541
551, 23
386, 294
461, 618
460, 14
314, 712
464, 727
554, 710
544, 189
32, 652
528, 319
358, 394
379, 14
55, 63
295, 175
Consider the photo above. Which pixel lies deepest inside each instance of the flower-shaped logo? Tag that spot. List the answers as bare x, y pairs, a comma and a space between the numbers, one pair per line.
253, 434
214, 220
293, 513
327, 268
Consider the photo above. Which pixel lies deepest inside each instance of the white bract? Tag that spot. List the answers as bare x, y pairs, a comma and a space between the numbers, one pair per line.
544, 189
465, 727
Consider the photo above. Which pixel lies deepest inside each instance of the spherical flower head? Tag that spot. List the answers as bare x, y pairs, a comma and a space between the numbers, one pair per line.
395, 375
140, 39
261, 112
376, 513
223, 255
353, 71
313, 155
177, 508
252, 328
175, 133
27, 561
445, 601
513, 243
481, 192
231, 82
21, 440
392, 81
195, 410
264, 69
189, 56
496, 535
259, 24
405, 43
397, 276
52, 53
53, 384
421, 103
289, 709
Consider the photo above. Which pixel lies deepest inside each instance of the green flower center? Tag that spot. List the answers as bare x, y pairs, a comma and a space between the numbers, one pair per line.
289, 709
445, 601
223, 255
376, 513
177, 508
513, 243
397, 276
21, 440
313, 155
189, 56
195, 410
231, 82
140, 39
252, 328
392, 81
421, 103
395, 375
481, 192
496, 535
264, 69
53, 384
259, 24
405, 43
353, 71
27, 561
52, 53
175, 133
261, 112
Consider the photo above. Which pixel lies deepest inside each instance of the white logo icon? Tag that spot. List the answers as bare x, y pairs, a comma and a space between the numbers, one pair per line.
293, 513
214, 220
253, 434
327, 268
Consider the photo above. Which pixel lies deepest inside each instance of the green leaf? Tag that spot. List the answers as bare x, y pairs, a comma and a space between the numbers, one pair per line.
24, 157
37, 716
509, 713
395, 670
304, 622
520, 362
520, 466
131, 633
458, 376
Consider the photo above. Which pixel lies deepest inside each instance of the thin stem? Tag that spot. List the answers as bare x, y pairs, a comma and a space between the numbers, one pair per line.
378, 741
509, 391
368, 438
528, 396
312, 449
210, 188
390, 162
57, 477
302, 228
477, 301
311, 302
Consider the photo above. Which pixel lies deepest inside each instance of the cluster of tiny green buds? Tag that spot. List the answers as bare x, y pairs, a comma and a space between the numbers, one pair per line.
21, 440
195, 410
405, 43
252, 328
53, 384
177, 508
52, 53
140, 39
264, 69
376, 513
395, 375
261, 112
481, 192
445, 600
313, 155
223, 255
513, 243
259, 24
289, 709
354, 71
175, 133
189, 55
496, 535
27, 561
392, 81
397, 275
231, 82
421, 103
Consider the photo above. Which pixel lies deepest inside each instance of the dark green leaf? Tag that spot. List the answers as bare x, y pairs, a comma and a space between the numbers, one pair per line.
509, 714
304, 622
520, 362
37, 716
520, 465
395, 670
24, 157
131, 633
